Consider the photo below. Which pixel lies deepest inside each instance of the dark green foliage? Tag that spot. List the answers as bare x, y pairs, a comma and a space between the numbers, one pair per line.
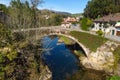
114, 78
5, 35
97, 8
18, 60
7, 55
85, 24
3, 8
24, 65
18, 36
90, 41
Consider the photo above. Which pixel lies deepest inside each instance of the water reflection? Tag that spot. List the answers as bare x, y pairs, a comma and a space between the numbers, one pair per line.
61, 61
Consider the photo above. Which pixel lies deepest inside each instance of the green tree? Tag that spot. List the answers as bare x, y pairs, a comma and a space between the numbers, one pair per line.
85, 24
101, 8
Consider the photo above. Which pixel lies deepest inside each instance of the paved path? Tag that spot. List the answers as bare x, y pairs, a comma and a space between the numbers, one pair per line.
115, 38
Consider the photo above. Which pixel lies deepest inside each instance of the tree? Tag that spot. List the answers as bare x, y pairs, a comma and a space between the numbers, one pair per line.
20, 14
97, 8
35, 3
35, 20
23, 15
85, 24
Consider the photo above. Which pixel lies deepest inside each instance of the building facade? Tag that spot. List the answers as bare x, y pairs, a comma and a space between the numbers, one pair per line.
109, 24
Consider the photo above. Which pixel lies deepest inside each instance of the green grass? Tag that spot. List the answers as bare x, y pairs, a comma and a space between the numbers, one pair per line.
65, 40
90, 41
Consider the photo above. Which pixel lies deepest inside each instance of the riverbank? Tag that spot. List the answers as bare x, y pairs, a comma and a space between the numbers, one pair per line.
22, 62
105, 59
37, 68
87, 73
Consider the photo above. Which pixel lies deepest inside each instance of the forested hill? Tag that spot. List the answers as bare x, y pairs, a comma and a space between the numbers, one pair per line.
77, 14
99, 8
47, 11
51, 18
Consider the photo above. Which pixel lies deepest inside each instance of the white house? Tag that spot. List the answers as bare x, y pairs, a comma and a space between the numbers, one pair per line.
110, 24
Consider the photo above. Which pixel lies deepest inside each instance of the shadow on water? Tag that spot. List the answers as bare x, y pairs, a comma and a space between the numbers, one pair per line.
76, 46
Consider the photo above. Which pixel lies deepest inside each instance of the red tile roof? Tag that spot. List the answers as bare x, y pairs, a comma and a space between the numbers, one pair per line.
111, 17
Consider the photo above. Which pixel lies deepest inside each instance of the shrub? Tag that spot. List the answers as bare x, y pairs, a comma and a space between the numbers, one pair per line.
99, 32
5, 35
114, 78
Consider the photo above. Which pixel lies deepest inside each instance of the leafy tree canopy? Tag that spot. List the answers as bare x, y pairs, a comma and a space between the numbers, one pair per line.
97, 8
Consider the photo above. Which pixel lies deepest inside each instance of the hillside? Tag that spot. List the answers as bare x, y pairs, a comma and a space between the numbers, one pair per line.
47, 11
77, 14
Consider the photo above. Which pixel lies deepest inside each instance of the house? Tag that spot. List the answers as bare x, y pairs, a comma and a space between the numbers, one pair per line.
109, 24
67, 22
117, 29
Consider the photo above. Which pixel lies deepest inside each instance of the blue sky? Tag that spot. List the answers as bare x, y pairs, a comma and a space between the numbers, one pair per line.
72, 6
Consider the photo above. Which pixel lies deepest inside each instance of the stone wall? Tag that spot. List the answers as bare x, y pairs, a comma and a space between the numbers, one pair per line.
102, 59
46, 74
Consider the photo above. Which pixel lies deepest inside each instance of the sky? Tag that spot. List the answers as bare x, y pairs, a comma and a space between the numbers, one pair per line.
71, 6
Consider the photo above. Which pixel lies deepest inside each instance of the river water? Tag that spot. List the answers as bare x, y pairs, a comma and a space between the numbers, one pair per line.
61, 60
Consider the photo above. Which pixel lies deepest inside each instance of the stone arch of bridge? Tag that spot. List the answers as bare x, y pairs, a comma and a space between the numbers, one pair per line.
85, 49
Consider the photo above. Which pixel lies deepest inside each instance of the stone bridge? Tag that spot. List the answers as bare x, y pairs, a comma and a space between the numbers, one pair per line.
85, 49
54, 31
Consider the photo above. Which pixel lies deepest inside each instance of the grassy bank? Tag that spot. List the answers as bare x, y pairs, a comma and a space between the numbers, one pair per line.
65, 40
90, 41
117, 56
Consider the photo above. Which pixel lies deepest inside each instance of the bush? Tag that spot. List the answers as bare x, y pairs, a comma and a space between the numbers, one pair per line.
114, 78
18, 36
99, 32
5, 35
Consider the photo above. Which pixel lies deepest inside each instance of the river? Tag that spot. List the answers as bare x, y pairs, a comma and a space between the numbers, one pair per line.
61, 60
